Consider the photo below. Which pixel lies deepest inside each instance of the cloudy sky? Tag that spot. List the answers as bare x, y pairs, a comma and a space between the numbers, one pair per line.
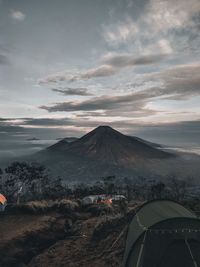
67, 66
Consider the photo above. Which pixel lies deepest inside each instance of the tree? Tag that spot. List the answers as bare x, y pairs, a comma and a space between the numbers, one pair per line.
129, 188
178, 188
32, 178
157, 190
109, 184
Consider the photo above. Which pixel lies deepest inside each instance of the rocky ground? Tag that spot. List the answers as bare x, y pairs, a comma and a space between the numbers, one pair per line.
63, 234
66, 233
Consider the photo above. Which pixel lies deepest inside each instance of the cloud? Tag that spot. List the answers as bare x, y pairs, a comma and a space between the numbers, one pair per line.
3, 60
17, 15
44, 128
185, 133
167, 15
176, 133
73, 91
120, 62
58, 77
101, 71
132, 104
123, 61
113, 64
120, 33
178, 83
175, 21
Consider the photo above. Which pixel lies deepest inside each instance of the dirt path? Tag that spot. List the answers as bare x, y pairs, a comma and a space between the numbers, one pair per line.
75, 238
82, 250
15, 225
24, 236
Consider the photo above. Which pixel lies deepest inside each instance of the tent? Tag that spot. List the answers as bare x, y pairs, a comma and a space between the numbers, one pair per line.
89, 199
103, 197
163, 233
3, 202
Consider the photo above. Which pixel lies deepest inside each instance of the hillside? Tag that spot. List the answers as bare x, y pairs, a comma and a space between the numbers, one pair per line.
69, 234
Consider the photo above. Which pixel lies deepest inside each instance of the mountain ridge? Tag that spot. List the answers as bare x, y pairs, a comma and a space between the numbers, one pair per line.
103, 152
107, 144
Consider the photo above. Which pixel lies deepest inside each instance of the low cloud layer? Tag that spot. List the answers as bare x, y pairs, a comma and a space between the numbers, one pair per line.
185, 133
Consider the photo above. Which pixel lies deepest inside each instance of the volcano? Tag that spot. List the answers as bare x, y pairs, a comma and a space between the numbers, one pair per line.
108, 145
100, 153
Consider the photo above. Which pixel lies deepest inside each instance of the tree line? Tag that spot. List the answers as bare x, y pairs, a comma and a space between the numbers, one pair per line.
31, 181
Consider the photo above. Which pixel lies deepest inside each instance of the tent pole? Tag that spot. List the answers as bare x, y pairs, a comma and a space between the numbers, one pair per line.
190, 251
141, 250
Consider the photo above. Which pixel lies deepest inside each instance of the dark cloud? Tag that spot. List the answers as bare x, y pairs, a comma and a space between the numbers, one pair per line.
43, 129
185, 134
131, 101
47, 122
177, 83
73, 91
122, 61
117, 63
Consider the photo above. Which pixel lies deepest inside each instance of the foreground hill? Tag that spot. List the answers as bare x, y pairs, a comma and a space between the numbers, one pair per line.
66, 233
103, 151
61, 233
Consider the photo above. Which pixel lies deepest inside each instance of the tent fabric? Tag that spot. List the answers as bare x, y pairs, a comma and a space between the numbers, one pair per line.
2, 199
89, 199
94, 198
164, 222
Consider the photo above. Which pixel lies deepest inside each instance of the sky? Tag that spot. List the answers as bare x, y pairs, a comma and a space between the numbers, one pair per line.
68, 66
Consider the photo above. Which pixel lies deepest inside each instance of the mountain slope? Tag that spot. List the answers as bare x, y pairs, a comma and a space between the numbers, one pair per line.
108, 145
102, 152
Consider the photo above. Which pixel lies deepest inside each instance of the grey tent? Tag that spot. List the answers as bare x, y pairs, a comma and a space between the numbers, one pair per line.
163, 234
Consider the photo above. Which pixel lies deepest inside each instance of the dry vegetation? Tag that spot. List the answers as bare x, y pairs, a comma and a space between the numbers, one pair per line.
65, 233
51, 233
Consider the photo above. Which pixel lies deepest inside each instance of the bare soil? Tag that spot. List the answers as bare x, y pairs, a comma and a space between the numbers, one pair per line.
57, 239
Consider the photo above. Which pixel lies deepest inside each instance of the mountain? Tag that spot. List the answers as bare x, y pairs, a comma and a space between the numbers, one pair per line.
33, 139
68, 139
102, 152
147, 142
107, 152
108, 145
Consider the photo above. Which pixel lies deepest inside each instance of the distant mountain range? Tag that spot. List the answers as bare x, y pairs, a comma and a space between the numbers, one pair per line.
68, 139
33, 139
101, 152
